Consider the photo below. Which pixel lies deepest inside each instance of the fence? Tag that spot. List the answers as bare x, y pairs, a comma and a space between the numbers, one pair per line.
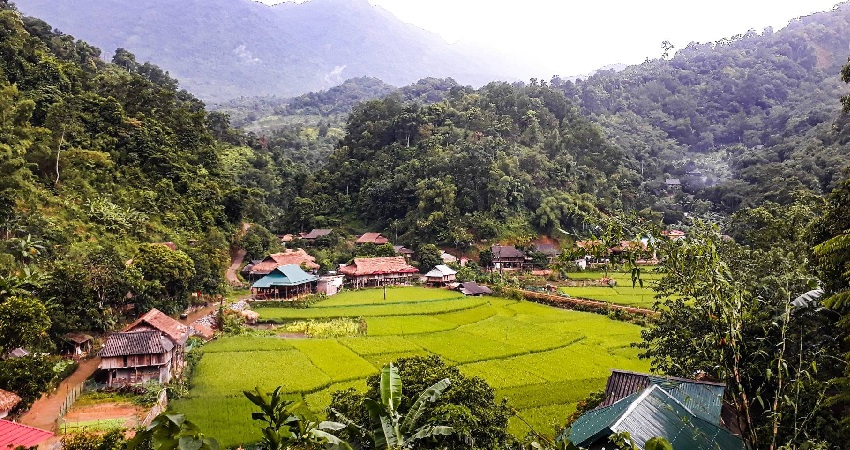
70, 398
160, 407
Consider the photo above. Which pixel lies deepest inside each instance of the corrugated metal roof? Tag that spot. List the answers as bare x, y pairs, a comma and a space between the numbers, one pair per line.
703, 399
287, 275
135, 343
653, 412
14, 434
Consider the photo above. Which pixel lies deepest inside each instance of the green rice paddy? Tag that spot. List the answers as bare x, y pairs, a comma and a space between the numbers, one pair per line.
622, 294
542, 359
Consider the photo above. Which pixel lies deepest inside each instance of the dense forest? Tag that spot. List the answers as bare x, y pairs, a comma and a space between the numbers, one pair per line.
739, 121
100, 161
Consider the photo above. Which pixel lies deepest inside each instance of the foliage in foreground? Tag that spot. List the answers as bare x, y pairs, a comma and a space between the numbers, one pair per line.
467, 405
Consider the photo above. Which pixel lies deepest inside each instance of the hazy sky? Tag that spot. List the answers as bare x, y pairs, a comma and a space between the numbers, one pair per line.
569, 37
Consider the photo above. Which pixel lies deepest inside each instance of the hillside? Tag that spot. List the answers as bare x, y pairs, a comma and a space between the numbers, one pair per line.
283, 50
746, 119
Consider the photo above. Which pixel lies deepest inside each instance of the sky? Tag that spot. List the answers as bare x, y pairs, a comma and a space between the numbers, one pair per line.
569, 37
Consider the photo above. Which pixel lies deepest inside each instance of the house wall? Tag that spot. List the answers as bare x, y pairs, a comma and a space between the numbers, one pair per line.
139, 375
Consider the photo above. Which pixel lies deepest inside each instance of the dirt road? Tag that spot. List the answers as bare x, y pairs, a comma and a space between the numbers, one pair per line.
45, 411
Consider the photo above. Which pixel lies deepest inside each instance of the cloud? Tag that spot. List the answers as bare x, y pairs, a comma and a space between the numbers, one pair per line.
335, 76
246, 56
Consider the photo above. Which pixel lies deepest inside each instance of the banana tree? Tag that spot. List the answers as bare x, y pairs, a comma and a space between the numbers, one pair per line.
389, 428
285, 429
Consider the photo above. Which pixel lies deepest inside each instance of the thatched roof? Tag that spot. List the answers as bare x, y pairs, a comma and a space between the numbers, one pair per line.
377, 266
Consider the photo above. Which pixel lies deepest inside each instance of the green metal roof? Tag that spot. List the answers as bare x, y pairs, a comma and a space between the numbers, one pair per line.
703, 399
287, 275
650, 413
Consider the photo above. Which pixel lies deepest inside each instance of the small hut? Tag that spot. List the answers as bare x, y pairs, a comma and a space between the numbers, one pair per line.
8, 402
80, 343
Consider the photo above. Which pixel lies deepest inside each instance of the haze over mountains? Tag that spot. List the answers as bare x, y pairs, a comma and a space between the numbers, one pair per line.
220, 49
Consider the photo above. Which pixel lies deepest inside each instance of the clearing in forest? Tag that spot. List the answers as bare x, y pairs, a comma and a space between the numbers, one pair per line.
542, 359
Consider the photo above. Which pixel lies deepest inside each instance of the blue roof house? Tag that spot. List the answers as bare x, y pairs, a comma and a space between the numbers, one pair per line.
284, 282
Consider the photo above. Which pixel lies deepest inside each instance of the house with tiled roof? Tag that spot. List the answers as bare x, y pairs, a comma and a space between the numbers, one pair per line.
372, 238
298, 257
284, 282
379, 271
8, 402
14, 435
137, 357
440, 275
156, 320
688, 413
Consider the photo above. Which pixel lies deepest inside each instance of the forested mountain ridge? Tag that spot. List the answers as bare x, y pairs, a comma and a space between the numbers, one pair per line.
98, 162
223, 49
755, 114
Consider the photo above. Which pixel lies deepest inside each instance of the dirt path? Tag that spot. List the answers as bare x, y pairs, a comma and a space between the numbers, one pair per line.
236, 259
45, 411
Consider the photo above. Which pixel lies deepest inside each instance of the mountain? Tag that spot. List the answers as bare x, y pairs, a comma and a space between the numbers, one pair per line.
221, 49
747, 119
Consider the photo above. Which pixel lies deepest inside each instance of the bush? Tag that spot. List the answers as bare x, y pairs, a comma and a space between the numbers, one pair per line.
300, 303
28, 377
112, 440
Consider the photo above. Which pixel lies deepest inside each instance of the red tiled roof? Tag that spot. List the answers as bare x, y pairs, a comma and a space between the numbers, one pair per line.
373, 238
14, 434
156, 319
8, 400
276, 260
375, 266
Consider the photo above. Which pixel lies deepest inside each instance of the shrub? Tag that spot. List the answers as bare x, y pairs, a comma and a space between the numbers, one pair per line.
112, 440
28, 377
328, 329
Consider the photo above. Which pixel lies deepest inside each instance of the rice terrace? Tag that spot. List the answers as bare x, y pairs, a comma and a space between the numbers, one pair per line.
542, 359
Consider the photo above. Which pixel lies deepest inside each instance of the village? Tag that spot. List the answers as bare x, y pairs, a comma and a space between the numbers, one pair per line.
152, 351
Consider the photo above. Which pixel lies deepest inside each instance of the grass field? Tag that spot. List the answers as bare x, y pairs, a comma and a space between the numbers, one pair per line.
542, 359
622, 294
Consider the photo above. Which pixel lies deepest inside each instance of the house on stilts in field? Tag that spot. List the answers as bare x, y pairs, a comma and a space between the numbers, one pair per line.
381, 271
149, 349
284, 282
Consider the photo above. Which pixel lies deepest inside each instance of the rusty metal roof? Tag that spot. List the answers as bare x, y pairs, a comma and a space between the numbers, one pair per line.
135, 343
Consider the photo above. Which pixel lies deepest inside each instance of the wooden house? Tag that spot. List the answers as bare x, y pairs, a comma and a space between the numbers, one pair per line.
78, 343
508, 257
8, 402
440, 275
297, 257
403, 251
137, 357
372, 238
314, 234
151, 348
284, 282
381, 271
